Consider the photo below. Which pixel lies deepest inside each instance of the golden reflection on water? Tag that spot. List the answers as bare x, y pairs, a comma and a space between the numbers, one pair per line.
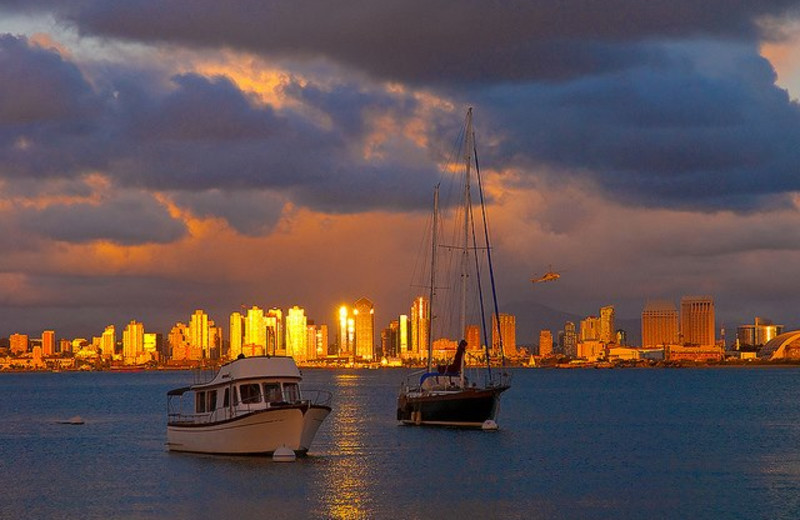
347, 477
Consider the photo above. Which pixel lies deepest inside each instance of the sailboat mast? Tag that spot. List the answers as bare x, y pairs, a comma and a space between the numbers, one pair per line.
467, 204
434, 246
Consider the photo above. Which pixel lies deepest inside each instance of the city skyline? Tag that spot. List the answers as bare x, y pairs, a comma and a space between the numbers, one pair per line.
147, 171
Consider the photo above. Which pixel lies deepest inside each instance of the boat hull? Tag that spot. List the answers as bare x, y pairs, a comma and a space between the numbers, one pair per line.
258, 433
468, 408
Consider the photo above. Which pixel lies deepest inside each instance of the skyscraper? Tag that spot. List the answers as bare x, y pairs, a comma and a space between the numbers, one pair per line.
420, 328
507, 332
607, 326
178, 342
570, 339
133, 342
275, 335
697, 320
545, 343
659, 324
473, 337
18, 343
402, 337
255, 333
364, 315
346, 336
48, 343
199, 333
108, 342
236, 335
590, 329
296, 333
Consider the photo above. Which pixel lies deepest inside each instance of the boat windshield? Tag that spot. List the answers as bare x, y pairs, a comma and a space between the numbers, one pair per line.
291, 392
250, 393
272, 392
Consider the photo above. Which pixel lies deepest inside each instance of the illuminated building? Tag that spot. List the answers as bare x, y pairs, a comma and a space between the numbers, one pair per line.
783, 346
659, 324
545, 343
364, 317
389, 340
473, 337
321, 343
347, 330
108, 342
178, 342
621, 337
569, 340
296, 333
311, 341
199, 332
214, 340
402, 336
507, 332
18, 343
133, 343
420, 327
697, 320
607, 326
590, 329
758, 334
48, 343
236, 335
255, 333
153, 345
274, 334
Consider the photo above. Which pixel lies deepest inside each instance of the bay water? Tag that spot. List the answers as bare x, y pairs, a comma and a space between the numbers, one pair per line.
632, 443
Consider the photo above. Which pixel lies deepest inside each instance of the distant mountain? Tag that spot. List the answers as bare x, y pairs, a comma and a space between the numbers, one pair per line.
533, 317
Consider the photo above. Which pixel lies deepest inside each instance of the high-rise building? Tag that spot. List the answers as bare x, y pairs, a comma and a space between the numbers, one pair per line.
403, 337
570, 340
48, 343
420, 328
152, 345
178, 342
237, 335
607, 325
659, 324
296, 333
545, 343
364, 316
311, 341
346, 338
275, 335
507, 333
255, 333
18, 343
199, 332
473, 337
697, 320
590, 329
108, 342
133, 342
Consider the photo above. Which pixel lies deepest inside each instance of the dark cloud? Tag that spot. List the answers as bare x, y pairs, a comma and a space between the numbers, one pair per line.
417, 41
127, 219
250, 212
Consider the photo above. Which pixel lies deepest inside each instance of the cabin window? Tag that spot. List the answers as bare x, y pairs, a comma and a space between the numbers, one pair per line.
226, 398
200, 402
272, 392
291, 392
250, 393
212, 401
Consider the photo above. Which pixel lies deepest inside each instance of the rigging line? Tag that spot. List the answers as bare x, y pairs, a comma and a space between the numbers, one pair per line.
480, 298
489, 254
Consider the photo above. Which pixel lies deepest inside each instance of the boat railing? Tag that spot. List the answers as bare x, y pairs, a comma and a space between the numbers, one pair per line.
317, 397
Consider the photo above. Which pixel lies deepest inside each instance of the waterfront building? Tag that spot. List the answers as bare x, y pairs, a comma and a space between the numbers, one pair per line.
133, 343
236, 339
473, 337
311, 341
758, 334
570, 340
346, 335
151, 345
591, 350
275, 333
200, 332
545, 343
607, 324
420, 328
659, 323
696, 354
48, 343
697, 320
255, 333
18, 343
389, 340
108, 342
784, 346
364, 316
507, 331
178, 342
621, 337
590, 329
403, 337
296, 333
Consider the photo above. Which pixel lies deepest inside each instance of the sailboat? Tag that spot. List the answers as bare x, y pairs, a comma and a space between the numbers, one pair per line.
444, 395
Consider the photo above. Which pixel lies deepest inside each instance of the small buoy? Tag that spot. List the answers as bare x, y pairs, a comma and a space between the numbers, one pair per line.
283, 454
489, 425
72, 420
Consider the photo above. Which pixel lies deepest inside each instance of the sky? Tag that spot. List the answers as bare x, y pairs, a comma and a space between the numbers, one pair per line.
162, 157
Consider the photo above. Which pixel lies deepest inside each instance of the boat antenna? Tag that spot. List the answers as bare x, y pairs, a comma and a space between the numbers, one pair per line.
491, 269
434, 246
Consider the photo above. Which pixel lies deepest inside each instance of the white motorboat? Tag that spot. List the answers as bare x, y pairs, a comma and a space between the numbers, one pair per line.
251, 406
